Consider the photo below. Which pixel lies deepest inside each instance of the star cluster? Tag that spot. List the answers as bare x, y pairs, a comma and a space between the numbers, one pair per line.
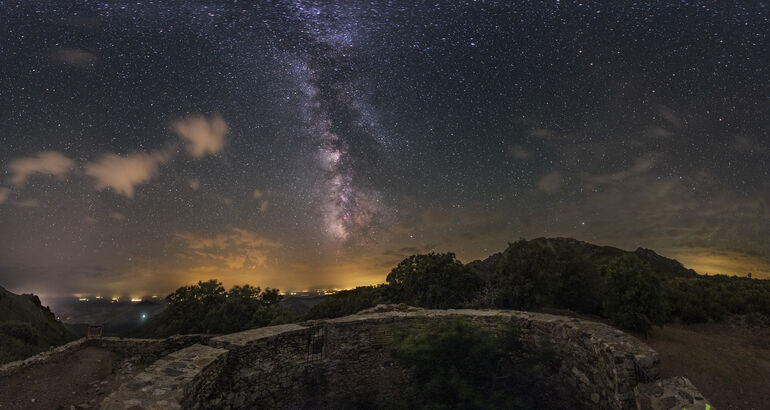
306, 144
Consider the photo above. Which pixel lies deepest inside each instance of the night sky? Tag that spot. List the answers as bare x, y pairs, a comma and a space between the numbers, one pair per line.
305, 145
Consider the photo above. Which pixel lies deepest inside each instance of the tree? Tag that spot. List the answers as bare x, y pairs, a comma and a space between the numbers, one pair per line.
634, 298
207, 308
528, 276
435, 280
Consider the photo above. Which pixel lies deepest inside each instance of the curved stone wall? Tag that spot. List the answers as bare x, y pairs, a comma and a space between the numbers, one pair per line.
319, 363
600, 365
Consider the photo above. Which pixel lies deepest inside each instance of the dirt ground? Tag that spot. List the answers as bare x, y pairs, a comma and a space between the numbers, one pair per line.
81, 380
728, 362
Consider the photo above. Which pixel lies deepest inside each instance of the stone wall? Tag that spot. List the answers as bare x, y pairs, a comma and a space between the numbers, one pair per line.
320, 364
270, 367
146, 350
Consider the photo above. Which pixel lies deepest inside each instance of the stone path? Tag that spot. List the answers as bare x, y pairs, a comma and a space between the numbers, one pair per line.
167, 382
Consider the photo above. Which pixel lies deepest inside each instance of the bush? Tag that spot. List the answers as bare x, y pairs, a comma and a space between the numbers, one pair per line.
634, 297
22, 331
528, 276
452, 365
435, 280
348, 302
207, 308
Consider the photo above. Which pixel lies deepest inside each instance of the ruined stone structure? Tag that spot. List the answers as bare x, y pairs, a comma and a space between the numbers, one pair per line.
312, 364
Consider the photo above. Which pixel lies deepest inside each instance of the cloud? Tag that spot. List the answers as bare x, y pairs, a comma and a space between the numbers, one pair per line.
75, 57
123, 174
117, 216
236, 249
263, 207
46, 162
642, 165
723, 261
203, 135
541, 132
194, 183
27, 203
257, 194
435, 217
550, 182
90, 220
4, 194
519, 152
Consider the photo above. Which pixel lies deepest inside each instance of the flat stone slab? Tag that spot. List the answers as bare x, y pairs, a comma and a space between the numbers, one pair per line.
164, 384
250, 336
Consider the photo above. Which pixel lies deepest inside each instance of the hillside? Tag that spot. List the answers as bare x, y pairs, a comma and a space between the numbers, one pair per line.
595, 255
27, 327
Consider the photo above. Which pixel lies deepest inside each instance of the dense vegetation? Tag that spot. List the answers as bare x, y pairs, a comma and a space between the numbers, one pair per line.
208, 308
633, 290
456, 364
27, 327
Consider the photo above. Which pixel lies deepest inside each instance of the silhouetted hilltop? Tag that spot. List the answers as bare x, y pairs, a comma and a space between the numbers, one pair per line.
595, 255
27, 327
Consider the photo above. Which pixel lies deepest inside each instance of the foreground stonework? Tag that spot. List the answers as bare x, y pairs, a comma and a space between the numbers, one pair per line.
169, 381
674, 393
317, 364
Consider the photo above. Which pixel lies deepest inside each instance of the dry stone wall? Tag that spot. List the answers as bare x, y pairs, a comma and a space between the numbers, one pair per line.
319, 364
146, 350
269, 367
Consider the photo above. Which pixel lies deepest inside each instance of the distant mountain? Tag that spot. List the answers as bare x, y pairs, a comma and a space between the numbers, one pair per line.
593, 254
27, 327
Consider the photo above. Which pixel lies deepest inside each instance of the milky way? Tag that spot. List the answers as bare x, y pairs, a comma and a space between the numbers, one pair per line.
301, 144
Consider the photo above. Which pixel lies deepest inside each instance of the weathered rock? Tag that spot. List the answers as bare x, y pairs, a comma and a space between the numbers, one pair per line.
673, 393
171, 382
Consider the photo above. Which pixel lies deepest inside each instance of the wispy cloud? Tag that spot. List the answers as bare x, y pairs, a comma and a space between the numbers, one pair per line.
27, 203
123, 174
519, 152
203, 135
45, 162
75, 57
117, 216
4, 194
550, 182
235, 249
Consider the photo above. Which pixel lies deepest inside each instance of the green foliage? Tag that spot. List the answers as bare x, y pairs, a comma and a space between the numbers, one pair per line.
27, 327
625, 287
705, 298
580, 286
528, 276
20, 330
452, 364
634, 298
348, 302
207, 308
435, 280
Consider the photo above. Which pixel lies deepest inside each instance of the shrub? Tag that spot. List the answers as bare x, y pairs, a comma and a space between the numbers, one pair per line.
528, 276
20, 330
634, 298
435, 280
452, 365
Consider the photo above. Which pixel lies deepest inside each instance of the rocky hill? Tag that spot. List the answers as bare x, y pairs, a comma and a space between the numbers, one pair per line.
27, 327
595, 255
